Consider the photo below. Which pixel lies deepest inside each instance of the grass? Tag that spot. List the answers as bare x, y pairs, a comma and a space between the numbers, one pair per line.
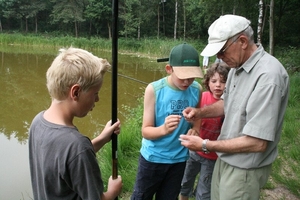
286, 171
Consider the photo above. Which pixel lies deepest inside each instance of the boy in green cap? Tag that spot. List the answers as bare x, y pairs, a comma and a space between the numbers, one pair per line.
163, 158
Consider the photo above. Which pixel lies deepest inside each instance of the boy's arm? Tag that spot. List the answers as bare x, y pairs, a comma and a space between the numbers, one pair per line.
149, 131
105, 135
195, 130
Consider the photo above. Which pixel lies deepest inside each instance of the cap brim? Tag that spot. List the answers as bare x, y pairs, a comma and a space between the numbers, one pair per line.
162, 59
212, 49
186, 72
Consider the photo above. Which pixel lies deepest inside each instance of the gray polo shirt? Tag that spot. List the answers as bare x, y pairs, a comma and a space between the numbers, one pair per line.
255, 101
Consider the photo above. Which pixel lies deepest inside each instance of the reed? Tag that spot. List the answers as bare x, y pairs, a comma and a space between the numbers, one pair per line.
286, 171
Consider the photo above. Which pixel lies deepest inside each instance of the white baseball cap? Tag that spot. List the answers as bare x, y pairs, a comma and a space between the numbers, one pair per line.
221, 30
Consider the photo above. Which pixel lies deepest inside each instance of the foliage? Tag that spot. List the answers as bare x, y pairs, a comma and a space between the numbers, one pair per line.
286, 166
285, 169
139, 19
129, 142
97, 11
289, 57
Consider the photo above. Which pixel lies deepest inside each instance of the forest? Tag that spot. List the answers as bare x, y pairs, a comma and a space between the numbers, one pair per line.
154, 26
157, 19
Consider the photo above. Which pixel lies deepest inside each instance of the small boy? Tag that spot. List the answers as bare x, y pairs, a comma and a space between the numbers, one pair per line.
163, 158
200, 162
63, 162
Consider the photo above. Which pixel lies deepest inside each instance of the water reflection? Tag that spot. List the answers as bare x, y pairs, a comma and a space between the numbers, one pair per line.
24, 94
14, 173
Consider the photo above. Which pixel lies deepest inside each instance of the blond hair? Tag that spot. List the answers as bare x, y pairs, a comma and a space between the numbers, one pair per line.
74, 66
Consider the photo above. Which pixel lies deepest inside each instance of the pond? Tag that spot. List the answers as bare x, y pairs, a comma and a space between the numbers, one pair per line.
24, 94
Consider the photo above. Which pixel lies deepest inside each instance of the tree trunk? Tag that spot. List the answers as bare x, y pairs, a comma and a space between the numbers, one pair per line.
260, 20
271, 21
158, 21
184, 20
36, 24
90, 28
164, 25
109, 30
0, 26
139, 31
26, 25
175, 21
76, 34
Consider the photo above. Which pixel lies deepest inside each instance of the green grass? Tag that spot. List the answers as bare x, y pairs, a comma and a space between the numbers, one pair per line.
146, 47
286, 170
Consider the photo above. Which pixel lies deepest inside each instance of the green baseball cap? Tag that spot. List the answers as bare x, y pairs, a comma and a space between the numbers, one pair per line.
185, 61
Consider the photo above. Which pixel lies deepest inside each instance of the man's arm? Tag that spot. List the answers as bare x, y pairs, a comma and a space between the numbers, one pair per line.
213, 110
243, 144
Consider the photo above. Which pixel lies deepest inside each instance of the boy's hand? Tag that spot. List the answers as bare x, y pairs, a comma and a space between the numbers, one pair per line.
105, 135
193, 132
171, 123
112, 128
114, 188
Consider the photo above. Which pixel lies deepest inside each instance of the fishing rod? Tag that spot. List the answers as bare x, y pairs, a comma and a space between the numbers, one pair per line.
114, 137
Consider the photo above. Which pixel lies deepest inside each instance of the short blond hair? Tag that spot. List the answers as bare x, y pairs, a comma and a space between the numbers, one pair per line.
74, 66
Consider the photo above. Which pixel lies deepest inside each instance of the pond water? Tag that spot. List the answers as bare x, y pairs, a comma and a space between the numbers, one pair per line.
24, 94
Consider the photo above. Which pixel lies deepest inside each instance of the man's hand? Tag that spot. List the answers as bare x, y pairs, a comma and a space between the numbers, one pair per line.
192, 142
190, 114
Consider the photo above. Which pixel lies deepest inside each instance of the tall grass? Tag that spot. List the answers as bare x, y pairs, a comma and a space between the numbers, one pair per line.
129, 142
286, 170
146, 47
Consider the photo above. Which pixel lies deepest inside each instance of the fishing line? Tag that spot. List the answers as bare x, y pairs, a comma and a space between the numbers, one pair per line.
130, 78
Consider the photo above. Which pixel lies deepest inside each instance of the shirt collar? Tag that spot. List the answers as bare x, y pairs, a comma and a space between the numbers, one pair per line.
254, 58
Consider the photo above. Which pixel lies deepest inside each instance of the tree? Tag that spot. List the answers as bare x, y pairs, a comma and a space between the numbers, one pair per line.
260, 21
19, 9
175, 20
271, 21
128, 17
69, 11
99, 12
1, 13
36, 7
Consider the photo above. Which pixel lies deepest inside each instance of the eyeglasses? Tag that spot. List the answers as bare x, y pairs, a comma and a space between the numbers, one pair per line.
222, 51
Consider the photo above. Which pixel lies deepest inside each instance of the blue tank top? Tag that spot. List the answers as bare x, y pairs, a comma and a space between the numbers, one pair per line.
170, 101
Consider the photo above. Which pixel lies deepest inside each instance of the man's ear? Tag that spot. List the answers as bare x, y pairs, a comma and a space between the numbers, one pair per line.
244, 41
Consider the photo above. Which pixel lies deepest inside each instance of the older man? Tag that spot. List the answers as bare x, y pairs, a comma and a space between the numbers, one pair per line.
254, 103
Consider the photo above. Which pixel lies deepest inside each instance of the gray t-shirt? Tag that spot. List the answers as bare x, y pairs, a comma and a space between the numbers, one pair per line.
255, 101
63, 163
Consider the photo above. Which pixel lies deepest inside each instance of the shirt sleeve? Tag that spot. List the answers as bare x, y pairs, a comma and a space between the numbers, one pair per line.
263, 111
85, 175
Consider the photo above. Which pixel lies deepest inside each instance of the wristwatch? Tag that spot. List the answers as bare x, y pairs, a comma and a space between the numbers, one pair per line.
204, 149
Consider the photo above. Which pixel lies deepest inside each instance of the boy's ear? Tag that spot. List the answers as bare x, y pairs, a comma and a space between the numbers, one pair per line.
169, 69
74, 91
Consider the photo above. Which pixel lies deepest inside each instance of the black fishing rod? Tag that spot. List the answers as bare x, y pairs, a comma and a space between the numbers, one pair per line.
114, 137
